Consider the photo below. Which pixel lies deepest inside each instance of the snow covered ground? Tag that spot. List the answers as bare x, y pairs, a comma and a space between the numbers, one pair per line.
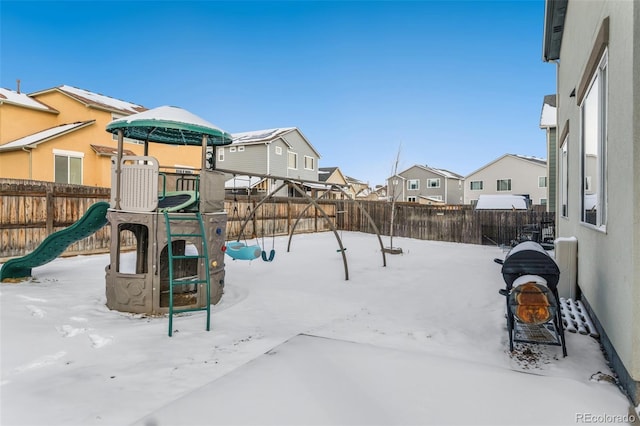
420, 341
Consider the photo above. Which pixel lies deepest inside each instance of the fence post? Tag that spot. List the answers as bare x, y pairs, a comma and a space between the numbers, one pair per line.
50, 209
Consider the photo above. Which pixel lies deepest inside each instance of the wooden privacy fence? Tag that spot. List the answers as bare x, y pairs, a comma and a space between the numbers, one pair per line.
460, 224
31, 210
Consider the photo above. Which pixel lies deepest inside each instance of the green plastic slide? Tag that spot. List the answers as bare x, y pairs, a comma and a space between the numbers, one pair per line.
94, 218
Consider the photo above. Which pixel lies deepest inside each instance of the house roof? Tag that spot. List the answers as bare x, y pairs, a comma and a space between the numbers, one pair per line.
442, 172
325, 172
95, 100
31, 141
554, 13
8, 96
548, 114
110, 151
530, 159
268, 136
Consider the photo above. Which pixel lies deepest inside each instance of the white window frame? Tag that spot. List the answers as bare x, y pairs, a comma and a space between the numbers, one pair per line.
220, 152
308, 159
563, 173
542, 181
278, 150
433, 180
232, 149
69, 155
241, 149
594, 179
498, 185
292, 156
412, 199
471, 188
411, 183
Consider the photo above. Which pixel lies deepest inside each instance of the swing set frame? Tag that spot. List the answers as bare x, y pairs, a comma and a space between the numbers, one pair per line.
296, 185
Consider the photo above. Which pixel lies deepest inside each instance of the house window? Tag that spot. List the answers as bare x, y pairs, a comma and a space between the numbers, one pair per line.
67, 167
412, 199
476, 185
241, 149
593, 114
220, 153
292, 160
413, 184
309, 163
278, 150
543, 201
503, 185
232, 149
433, 183
542, 181
564, 177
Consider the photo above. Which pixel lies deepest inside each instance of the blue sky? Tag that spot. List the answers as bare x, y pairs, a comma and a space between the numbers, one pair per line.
456, 84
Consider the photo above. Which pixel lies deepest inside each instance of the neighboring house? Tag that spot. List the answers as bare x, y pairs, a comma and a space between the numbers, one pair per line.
59, 135
548, 123
359, 189
334, 175
598, 120
509, 174
380, 192
426, 185
280, 152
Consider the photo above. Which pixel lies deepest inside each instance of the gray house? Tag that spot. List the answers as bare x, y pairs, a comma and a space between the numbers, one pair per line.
426, 185
509, 175
280, 152
598, 121
548, 124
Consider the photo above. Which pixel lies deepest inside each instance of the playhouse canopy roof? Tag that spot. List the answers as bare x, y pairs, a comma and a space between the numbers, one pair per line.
169, 125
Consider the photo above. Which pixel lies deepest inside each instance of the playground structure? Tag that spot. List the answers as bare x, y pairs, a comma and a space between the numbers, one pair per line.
297, 186
56, 243
178, 234
168, 229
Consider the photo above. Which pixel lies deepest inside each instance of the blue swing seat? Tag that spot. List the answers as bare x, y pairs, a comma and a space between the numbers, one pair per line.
240, 251
269, 258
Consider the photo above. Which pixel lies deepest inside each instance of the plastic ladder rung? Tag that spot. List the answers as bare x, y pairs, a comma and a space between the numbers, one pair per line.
191, 280
188, 256
178, 281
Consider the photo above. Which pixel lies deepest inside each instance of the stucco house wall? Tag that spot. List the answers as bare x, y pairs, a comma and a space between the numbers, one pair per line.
60, 108
608, 255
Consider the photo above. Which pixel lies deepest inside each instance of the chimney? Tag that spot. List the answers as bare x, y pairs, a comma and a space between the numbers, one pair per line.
18, 84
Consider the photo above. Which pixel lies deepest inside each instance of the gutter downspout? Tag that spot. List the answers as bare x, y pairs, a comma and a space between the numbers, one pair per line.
557, 203
30, 160
269, 181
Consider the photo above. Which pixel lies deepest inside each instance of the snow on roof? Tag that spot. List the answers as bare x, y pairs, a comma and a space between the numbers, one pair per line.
97, 99
442, 172
260, 135
21, 99
538, 160
548, 116
501, 202
44, 135
448, 174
